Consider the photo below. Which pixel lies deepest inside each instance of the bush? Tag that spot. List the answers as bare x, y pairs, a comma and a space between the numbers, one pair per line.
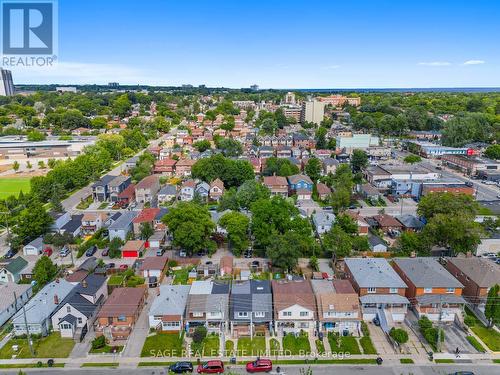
199, 334
364, 329
99, 342
399, 335
469, 320
424, 323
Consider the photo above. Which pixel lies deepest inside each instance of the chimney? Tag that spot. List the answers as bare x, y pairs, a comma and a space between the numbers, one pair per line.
56, 299
84, 283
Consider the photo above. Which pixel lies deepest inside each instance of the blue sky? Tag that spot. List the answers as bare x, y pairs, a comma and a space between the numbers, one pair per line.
278, 44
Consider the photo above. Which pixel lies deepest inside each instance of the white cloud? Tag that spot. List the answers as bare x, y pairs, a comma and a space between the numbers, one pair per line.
474, 62
435, 63
331, 67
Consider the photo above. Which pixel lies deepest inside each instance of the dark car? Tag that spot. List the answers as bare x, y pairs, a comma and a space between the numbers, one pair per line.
211, 367
109, 266
181, 367
260, 365
376, 321
462, 373
10, 254
105, 252
91, 251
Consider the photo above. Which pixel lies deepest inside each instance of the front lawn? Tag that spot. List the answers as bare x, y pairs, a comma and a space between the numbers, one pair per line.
274, 346
320, 347
487, 335
476, 344
211, 346
296, 345
107, 349
163, 344
52, 346
367, 345
345, 344
251, 347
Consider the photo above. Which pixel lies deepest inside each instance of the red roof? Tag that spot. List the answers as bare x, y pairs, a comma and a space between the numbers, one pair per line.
165, 163
323, 189
147, 215
128, 192
275, 181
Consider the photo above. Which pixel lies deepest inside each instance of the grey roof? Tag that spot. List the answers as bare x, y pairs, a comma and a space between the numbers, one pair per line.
376, 240
296, 178
426, 299
105, 180
330, 161
171, 301
427, 273
123, 221
118, 180
72, 225
383, 298
41, 306
410, 221
323, 218
251, 296
37, 243
374, 272
322, 286
71, 319
90, 285
7, 291
483, 272
168, 190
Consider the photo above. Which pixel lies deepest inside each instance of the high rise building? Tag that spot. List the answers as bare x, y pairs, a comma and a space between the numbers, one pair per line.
6, 84
313, 111
290, 98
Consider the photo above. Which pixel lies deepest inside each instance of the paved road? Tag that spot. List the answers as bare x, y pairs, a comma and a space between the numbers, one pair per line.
291, 370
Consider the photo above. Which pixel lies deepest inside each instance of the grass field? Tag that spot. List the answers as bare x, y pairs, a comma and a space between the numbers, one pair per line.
52, 346
13, 185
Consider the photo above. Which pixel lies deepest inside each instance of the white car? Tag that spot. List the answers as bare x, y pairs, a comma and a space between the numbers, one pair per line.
488, 255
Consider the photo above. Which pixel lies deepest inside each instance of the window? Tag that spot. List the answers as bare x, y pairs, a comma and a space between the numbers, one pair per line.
304, 313
242, 314
287, 313
122, 318
393, 290
197, 314
68, 309
427, 290
371, 290
157, 317
450, 290
260, 314
80, 321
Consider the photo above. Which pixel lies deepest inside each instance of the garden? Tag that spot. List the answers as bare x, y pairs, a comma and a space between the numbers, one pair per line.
164, 345
51, 346
296, 345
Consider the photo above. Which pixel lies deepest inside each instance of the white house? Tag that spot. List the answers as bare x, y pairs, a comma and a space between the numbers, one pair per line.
323, 221
14, 296
35, 247
168, 308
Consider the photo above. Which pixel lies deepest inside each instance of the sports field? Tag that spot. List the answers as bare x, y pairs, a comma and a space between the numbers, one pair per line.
13, 185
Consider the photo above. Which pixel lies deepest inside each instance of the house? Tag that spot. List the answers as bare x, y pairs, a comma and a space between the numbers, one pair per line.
363, 226
157, 239
298, 182
92, 222
432, 290
183, 167
133, 249
277, 185
40, 308
167, 193
146, 189
117, 185
123, 226
168, 308
226, 265
202, 190
410, 223
387, 223
329, 165
59, 220
35, 247
369, 192
380, 288
120, 312
14, 296
323, 221
323, 191
100, 189
187, 191
131, 163
76, 313
216, 189
338, 307
376, 244
294, 307
477, 275
11, 269
208, 305
73, 226
303, 194
145, 217
165, 167
127, 196
251, 311
153, 266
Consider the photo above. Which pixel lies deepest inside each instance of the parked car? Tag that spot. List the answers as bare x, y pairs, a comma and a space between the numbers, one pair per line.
376, 321
91, 251
211, 367
160, 252
109, 266
182, 254
64, 251
152, 281
123, 267
181, 367
105, 252
489, 255
47, 251
260, 365
10, 253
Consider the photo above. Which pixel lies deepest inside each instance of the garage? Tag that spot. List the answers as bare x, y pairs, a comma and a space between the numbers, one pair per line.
133, 249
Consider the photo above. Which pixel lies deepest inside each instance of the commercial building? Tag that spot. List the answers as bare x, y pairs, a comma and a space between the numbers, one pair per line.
6, 84
470, 164
356, 141
339, 100
313, 111
432, 150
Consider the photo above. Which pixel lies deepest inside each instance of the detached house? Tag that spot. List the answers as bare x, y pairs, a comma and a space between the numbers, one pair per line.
168, 309
277, 185
216, 189
299, 182
338, 307
146, 189
183, 167
323, 221
117, 185
11, 269
100, 189
187, 191
14, 296
380, 288
294, 307
92, 222
167, 193
431, 288
202, 190
120, 312
121, 227
77, 312
251, 311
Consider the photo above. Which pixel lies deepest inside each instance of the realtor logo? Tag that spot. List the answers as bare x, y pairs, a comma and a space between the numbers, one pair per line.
28, 27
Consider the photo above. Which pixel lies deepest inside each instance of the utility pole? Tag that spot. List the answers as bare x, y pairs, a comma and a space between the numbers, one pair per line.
438, 344
28, 332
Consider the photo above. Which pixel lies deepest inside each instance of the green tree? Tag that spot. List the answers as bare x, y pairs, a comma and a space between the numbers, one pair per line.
15, 165
121, 105
492, 308
340, 199
202, 145
338, 242
236, 225
493, 152
115, 248
412, 159
313, 169
32, 222
146, 230
251, 191
230, 147
284, 250
447, 203
359, 160
279, 167
191, 226
36, 136
231, 172
44, 271
399, 335
313, 263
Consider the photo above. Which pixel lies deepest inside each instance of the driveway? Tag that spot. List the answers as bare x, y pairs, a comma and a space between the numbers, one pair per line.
379, 339
324, 266
454, 338
136, 340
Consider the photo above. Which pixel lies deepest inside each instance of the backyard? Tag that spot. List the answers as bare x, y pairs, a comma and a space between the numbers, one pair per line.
181, 276
163, 344
52, 346
296, 345
251, 347
13, 185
